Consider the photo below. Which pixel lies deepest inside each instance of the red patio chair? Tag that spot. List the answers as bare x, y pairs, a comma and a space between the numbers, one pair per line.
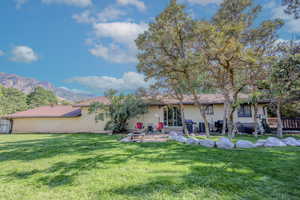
139, 125
160, 126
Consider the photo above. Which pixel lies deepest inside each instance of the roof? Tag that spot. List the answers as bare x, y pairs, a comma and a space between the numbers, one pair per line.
166, 100
57, 111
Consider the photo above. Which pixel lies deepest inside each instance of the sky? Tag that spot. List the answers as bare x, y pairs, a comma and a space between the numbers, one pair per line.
88, 45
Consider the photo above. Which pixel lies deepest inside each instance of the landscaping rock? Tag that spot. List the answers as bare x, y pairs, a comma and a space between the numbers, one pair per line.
274, 142
244, 144
207, 143
173, 133
173, 137
290, 141
224, 143
127, 139
260, 143
192, 141
181, 139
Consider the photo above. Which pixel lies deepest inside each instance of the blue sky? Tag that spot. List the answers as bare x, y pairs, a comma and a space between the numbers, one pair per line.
89, 44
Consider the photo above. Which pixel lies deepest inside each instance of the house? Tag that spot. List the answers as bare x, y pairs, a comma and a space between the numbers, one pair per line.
76, 118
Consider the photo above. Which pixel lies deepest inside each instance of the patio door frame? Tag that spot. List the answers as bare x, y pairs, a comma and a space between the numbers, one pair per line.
172, 116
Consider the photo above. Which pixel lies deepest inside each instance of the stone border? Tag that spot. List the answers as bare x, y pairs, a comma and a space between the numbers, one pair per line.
225, 143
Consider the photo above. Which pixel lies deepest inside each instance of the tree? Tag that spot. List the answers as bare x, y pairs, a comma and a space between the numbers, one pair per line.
120, 109
64, 102
167, 54
291, 110
11, 101
41, 97
262, 42
284, 84
292, 7
231, 44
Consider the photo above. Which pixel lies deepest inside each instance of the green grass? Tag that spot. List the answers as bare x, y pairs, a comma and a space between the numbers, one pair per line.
240, 137
86, 166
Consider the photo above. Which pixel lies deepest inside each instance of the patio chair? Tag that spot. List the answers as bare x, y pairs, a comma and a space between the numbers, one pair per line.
150, 128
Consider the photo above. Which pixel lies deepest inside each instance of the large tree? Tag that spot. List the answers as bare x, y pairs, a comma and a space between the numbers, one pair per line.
41, 97
11, 101
262, 42
232, 44
167, 52
284, 85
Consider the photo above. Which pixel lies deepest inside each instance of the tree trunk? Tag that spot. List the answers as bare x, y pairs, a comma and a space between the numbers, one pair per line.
229, 115
184, 128
203, 115
231, 97
230, 123
233, 100
279, 121
225, 118
256, 123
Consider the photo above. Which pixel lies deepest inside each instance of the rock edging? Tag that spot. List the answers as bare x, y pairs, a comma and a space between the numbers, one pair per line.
225, 143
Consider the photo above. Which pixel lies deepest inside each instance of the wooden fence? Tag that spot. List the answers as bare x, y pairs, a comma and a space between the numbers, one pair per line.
288, 123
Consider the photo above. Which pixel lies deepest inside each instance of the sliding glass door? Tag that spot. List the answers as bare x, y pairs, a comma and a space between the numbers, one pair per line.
172, 116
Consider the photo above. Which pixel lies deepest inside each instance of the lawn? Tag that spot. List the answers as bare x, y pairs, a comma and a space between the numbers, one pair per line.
87, 166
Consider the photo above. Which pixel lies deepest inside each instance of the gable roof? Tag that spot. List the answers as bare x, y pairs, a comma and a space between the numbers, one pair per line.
57, 111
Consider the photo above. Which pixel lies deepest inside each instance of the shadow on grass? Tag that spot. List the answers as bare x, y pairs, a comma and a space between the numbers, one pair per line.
272, 173
239, 174
29, 150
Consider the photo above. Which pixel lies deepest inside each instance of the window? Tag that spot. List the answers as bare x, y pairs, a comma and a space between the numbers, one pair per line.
172, 116
209, 109
245, 111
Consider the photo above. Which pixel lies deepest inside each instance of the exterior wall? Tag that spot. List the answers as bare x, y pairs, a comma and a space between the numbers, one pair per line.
155, 114
85, 123
191, 112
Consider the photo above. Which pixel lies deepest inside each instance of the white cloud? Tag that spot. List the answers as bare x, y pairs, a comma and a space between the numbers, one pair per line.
77, 91
107, 14
123, 32
19, 3
79, 3
23, 54
111, 40
139, 4
114, 53
122, 48
84, 17
110, 13
129, 81
1, 53
277, 11
205, 2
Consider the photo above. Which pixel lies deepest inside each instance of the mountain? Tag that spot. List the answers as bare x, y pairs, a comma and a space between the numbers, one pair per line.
27, 85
